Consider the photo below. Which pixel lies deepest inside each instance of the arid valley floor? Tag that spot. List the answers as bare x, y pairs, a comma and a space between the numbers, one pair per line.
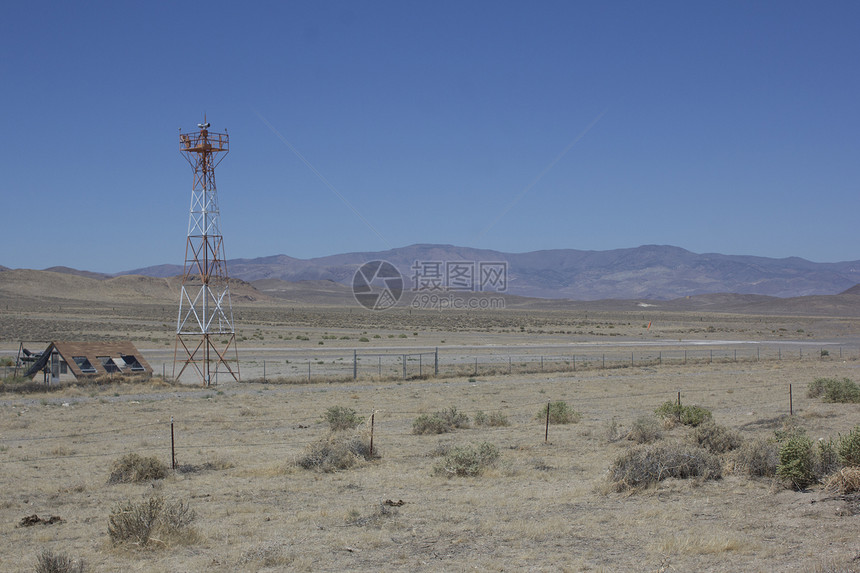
546, 504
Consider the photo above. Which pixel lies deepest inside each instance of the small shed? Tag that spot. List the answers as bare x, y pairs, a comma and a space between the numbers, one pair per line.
73, 360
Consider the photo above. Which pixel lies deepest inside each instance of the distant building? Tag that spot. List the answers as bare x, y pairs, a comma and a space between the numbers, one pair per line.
69, 361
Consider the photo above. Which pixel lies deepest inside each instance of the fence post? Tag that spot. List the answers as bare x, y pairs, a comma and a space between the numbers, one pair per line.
790, 402
509, 364
354, 364
604, 360
172, 446
541, 363
685, 356
546, 433
679, 406
309, 370
660, 358
379, 368
436, 362
632, 363
264, 370
420, 364
404, 367
476, 365
372, 416
758, 353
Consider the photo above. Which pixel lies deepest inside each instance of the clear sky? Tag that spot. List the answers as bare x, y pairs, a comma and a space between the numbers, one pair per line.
730, 127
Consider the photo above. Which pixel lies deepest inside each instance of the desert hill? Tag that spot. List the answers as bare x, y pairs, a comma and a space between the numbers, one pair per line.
655, 272
33, 287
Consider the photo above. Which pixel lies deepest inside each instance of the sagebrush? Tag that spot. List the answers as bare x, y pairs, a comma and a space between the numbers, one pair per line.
645, 465
151, 521
132, 468
50, 562
342, 418
467, 461
337, 451
559, 413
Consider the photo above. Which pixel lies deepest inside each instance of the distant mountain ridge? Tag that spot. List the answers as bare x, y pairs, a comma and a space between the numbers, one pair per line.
655, 272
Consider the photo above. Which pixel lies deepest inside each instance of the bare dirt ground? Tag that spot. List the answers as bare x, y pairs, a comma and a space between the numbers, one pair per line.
543, 506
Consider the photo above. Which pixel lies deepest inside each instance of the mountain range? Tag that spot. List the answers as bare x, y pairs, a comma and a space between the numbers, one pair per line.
654, 272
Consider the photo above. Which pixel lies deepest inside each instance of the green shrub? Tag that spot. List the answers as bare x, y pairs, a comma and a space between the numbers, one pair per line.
467, 461
151, 519
758, 458
133, 468
644, 465
341, 418
849, 448
715, 438
645, 430
842, 391
494, 419
338, 451
827, 461
559, 413
686, 415
440, 422
49, 562
797, 461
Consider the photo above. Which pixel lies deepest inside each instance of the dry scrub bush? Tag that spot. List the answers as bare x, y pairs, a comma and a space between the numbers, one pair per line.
845, 481
494, 419
467, 461
337, 451
715, 438
645, 465
49, 562
833, 390
151, 520
758, 458
645, 430
341, 418
797, 461
559, 413
672, 412
849, 448
133, 468
440, 422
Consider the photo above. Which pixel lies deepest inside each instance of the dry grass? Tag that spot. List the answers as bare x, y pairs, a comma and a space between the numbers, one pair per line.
846, 480
539, 507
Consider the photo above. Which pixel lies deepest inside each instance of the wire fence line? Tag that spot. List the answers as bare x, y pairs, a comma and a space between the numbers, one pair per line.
321, 365
194, 433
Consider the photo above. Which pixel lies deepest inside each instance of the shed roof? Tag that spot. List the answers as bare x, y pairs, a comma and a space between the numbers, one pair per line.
124, 356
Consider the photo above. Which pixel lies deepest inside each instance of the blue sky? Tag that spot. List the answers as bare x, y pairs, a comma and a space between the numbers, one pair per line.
729, 127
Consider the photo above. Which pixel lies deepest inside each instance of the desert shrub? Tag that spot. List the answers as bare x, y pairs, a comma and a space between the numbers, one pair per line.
845, 481
440, 422
849, 448
797, 461
834, 390
686, 415
644, 465
132, 468
645, 430
715, 438
827, 458
494, 419
559, 413
151, 520
758, 458
337, 451
50, 562
341, 418
467, 461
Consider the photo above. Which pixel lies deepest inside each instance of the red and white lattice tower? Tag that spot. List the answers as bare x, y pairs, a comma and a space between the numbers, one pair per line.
205, 335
